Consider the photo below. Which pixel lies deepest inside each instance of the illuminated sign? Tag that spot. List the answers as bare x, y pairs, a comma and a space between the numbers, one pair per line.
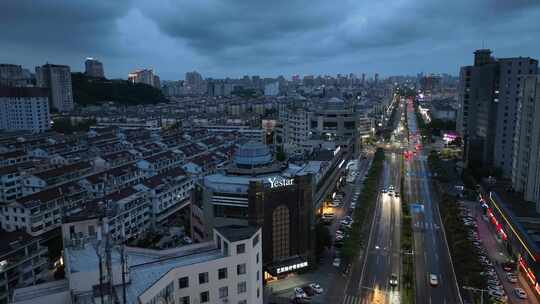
291, 267
278, 181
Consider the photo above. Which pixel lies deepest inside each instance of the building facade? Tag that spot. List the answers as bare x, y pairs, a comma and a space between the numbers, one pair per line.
526, 163
57, 78
258, 191
93, 68
145, 76
24, 109
488, 102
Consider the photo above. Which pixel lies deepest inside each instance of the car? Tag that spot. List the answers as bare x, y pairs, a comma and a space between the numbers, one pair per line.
339, 237
396, 195
433, 280
337, 262
390, 193
187, 240
299, 292
391, 188
512, 278
393, 280
353, 205
384, 191
520, 293
308, 290
328, 216
316, 287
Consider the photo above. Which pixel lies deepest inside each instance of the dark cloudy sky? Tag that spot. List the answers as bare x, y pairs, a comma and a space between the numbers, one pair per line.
267, 37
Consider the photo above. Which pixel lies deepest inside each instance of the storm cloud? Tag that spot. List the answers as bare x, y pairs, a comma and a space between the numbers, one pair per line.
235, 37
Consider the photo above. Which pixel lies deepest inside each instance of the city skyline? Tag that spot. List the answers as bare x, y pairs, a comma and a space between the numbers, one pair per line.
220, 40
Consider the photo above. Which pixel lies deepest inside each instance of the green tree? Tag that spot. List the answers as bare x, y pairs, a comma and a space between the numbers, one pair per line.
323, 238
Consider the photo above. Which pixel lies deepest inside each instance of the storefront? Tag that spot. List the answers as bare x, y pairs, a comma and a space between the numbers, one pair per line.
512, 233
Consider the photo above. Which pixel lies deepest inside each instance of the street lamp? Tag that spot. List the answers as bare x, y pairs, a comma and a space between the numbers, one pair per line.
476, 290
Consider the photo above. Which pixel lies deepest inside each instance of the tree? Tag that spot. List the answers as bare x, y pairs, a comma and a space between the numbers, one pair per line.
323, 238
280, 154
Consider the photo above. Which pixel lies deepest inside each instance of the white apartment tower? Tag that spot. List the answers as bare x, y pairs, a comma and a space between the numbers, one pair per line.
24, 109
58, 79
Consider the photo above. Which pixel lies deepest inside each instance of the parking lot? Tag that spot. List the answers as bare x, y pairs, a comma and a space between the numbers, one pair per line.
505, 283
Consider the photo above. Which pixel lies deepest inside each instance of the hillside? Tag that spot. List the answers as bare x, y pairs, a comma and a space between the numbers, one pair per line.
88, 90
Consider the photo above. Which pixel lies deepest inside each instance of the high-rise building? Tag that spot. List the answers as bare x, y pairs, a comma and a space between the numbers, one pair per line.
376, 78
488, 99
526, 162
145, 76
271, 89
57, 78
94, 68
24, 109
13, 75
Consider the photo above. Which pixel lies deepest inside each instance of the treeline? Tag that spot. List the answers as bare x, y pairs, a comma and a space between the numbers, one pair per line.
89, 90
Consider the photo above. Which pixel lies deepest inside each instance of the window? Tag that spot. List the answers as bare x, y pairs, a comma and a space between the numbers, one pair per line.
223, 292
242, 302
240, 248
258, 292
257, 258
205, 297
280, 232
203, 277
258, 275
183, 282
184, 300
241, 269
222, 273
242, 287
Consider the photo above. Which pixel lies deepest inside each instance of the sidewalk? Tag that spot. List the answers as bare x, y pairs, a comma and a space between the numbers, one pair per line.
498, 254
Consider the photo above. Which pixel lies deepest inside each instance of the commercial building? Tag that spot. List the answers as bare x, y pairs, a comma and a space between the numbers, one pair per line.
24, 109
335, 120
226, 269
57, 78
526, 162
488, 101
517, 227
93, 68
295, 128
257, 190
23, 262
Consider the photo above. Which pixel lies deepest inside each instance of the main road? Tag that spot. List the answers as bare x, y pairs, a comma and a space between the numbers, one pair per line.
431, 254
370, 279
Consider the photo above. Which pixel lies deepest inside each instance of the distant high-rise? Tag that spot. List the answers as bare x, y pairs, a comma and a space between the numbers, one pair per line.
24, 109
93, 68
488, 99
526, 158
363, 78
58, 79
376, 78
13, 75
145, 76
193, 79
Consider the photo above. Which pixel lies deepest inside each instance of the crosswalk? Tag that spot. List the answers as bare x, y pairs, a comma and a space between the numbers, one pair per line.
350, 299
426, 225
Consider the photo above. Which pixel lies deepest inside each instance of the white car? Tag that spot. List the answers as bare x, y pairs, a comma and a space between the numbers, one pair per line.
512, 278
299, 292
433, 280
337, 262
520, 293
316, 287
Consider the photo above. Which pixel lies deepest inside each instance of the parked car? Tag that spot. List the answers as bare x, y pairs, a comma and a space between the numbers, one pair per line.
512, 278
299, 292
337, 262
520, 293
308, 290
316, 287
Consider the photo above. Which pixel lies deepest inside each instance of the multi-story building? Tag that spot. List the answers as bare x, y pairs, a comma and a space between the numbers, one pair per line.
13, 75
257, 190
145, 76
488, 100
168, 193
295, 128
526, 163
23, 262
226, 269
24, 109
42, 211
57, 78
93, 68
